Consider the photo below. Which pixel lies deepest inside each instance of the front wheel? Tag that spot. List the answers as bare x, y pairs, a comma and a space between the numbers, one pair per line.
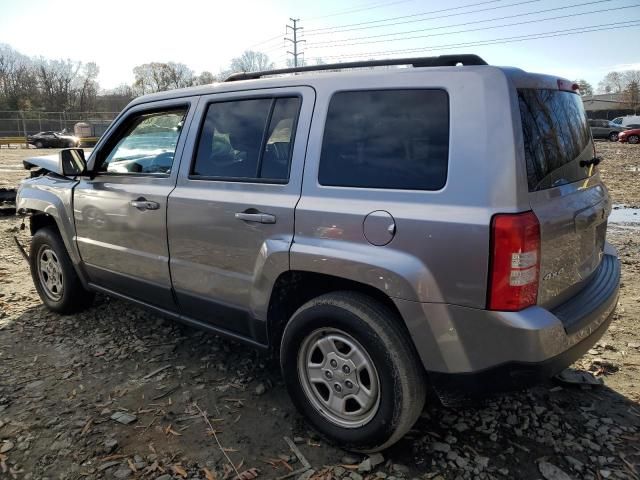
352, 370
634, 139
53, 274
613, 137
38, 144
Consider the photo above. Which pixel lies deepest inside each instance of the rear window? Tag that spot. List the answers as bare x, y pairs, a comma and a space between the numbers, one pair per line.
396, 139
556, 137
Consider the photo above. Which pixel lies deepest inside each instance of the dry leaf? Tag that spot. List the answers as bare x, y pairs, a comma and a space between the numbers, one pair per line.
248, 474
169, 430
132, 466
87, 426
209, 475
178, 470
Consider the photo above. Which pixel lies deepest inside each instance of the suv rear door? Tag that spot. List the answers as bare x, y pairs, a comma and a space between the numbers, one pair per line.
231, 216
565, 191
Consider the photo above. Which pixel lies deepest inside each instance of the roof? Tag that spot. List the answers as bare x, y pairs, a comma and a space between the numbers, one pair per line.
317, 75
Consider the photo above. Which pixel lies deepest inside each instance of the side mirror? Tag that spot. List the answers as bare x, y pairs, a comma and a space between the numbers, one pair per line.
72, 162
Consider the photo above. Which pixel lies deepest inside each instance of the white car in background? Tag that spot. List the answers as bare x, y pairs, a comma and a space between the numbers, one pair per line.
632, 121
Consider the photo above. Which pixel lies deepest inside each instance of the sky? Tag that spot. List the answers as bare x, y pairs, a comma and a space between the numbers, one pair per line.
206, 35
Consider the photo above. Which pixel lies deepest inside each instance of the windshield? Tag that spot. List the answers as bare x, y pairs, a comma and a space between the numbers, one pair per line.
556, 137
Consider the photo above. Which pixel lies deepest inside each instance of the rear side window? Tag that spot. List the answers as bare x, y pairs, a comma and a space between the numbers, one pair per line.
556, 137
247, 140
396, 139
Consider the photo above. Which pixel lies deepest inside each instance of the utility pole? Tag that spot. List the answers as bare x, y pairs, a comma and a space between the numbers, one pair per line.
295, 41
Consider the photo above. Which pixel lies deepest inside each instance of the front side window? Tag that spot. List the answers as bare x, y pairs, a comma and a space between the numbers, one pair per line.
396, 139
247, 140
147, 144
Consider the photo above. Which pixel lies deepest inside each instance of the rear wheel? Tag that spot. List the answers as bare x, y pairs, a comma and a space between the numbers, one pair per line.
351, 369
635, 139
613, 137
53, 274
39, 144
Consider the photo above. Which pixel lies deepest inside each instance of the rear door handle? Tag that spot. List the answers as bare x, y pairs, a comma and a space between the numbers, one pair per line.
256, 217
144, 204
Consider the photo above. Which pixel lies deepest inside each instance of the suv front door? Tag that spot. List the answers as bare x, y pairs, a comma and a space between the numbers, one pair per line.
230, 218
120, 213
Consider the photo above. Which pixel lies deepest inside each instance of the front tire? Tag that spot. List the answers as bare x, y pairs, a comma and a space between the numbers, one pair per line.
634, 139
352, 370
38, 144
53, 274
613, 137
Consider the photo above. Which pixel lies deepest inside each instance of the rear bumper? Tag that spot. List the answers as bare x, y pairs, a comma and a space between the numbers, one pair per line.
478, 351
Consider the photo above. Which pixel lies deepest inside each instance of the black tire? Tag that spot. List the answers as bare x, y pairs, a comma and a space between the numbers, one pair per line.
38, 144
613, 137
379, 331
633, 139
70, 296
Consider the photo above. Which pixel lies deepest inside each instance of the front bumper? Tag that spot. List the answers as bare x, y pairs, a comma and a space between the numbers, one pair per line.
478, 351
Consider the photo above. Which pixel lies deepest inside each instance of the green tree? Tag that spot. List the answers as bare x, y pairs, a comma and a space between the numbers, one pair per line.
586, 90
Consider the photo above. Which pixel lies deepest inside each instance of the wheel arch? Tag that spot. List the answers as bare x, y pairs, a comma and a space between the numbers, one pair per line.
294, 288
48, 203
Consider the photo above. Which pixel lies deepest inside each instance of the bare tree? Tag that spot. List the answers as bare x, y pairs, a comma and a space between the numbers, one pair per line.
205, 78
157, 77
18, 82
251, 61
56, 79
613, 82
632, 94
179, 75
88, 87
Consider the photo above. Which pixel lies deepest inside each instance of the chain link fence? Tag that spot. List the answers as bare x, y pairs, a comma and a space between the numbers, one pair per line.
84, 124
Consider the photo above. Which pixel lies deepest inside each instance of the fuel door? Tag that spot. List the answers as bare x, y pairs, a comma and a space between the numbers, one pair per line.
379, 227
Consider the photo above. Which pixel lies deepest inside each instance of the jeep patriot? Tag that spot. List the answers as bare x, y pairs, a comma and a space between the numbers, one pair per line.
379, 229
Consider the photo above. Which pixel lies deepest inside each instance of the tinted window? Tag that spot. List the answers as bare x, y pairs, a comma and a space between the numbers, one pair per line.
247, 139
386, 139
556, 137
147, 145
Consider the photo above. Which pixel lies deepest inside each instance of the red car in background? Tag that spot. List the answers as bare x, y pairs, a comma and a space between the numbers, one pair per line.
631, 136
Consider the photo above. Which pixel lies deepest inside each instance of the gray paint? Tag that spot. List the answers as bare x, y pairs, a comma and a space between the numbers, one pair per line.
48, 162
434, 267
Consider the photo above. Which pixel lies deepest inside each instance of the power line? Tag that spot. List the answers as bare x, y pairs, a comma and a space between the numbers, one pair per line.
496, 41
346, 28
359, 9
265, 41
513, 24
467, 23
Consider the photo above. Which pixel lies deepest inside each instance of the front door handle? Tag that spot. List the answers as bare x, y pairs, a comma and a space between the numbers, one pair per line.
256, 217
143, 204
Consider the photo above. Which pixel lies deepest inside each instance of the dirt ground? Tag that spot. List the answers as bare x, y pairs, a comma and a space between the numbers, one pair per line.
197, 402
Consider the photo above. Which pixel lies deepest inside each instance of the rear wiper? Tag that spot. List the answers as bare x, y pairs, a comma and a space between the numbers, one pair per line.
588, 163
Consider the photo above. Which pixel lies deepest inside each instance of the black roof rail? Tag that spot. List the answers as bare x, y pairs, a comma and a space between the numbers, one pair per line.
440, 61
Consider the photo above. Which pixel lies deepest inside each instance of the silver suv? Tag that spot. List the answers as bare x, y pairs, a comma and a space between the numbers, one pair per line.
381, 230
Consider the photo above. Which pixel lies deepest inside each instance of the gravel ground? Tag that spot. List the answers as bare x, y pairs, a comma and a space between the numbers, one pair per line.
197, 402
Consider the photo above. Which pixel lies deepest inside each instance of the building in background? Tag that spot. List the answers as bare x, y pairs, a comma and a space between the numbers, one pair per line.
607, 106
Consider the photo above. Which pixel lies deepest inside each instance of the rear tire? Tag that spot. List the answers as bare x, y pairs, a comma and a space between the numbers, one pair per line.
633, 139
38, 144
613, 137
352, 371
53, 274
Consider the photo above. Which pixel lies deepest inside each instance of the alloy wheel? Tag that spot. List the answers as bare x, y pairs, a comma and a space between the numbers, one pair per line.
339, 378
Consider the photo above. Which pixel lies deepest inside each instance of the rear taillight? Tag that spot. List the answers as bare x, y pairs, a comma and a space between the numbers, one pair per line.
515, 261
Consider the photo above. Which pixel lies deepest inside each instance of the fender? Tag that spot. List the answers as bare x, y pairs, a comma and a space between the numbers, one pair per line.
53, 195
394, 273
